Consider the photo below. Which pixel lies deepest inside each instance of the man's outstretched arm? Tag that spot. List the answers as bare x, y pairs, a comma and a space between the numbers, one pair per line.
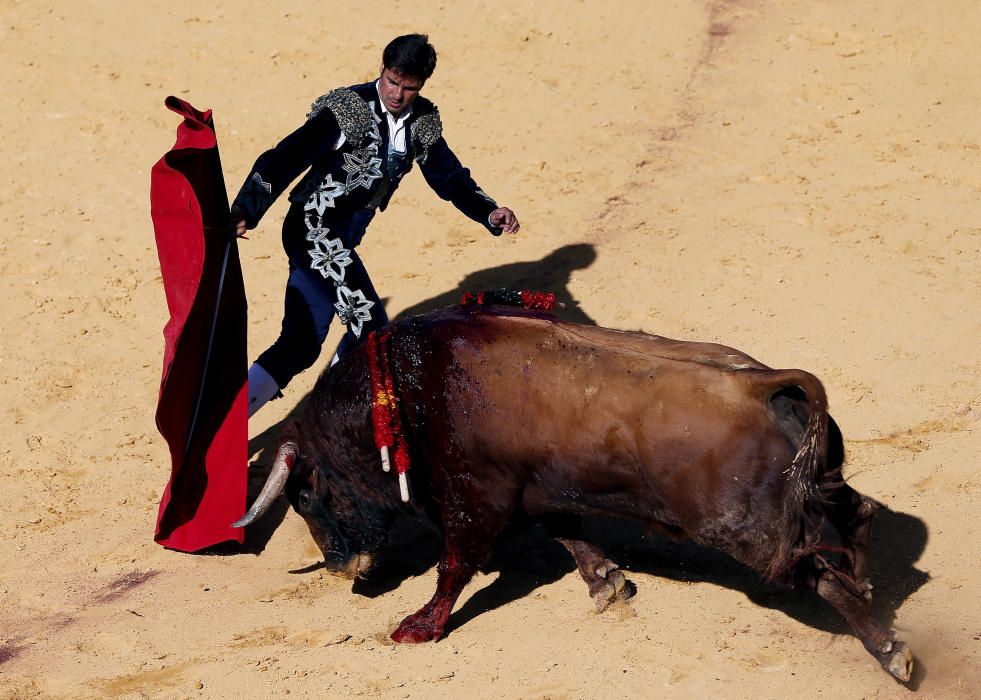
452, 182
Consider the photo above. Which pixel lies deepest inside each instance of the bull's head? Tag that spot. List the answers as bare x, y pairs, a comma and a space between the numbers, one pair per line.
347, 529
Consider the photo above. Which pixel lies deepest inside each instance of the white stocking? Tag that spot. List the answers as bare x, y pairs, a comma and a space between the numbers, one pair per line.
262, 387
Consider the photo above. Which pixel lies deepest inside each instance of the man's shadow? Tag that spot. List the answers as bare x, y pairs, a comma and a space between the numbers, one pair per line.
551, 273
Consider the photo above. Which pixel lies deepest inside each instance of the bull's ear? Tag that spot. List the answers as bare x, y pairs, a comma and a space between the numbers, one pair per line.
319, 484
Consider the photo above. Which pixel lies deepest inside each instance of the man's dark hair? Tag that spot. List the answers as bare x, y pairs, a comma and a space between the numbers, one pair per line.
412, 55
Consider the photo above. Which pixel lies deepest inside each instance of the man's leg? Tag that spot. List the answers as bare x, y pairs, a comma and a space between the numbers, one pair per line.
311, 304
308, 311
379, 317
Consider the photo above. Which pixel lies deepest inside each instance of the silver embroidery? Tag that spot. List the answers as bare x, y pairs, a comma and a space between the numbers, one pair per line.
363, 167
259, 182
486, 196
325, 194
256, 194
374, 114
329, 259
352, 308
359, 124
316, 231
353, 114
426, 130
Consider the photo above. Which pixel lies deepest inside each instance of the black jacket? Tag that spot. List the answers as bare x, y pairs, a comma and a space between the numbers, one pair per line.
343, 188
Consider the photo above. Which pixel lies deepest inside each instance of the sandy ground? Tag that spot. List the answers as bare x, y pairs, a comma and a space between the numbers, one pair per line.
797, 179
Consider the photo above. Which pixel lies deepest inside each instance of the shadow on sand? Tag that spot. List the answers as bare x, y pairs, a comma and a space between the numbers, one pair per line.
550, 274
532, 559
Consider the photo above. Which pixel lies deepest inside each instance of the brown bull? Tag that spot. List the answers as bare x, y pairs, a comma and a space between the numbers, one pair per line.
512, 413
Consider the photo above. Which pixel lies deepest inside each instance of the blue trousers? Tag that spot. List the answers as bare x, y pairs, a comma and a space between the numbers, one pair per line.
309, 309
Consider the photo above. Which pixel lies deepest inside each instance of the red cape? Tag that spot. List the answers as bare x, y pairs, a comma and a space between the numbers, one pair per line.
201, 410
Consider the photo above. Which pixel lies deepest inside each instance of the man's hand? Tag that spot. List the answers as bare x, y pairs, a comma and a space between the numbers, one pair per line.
504, 218
236, 222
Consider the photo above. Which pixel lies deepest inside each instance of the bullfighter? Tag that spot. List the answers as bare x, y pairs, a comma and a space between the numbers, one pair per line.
356, 145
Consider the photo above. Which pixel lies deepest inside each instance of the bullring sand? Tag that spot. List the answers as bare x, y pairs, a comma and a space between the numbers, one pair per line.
797, 179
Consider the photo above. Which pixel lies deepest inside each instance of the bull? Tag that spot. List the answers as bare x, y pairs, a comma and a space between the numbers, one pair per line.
511, 414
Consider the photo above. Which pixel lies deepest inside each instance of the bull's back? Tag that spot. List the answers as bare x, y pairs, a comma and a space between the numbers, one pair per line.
606, 419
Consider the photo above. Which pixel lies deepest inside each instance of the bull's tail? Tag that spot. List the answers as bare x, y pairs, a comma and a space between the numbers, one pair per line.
807, 475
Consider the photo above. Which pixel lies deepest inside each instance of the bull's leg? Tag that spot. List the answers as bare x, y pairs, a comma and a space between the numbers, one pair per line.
605, 580
428, 622
469, 541
851, 514
893, 655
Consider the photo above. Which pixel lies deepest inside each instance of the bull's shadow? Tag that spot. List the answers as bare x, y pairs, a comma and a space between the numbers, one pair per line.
551, 273
532, 559
898, 541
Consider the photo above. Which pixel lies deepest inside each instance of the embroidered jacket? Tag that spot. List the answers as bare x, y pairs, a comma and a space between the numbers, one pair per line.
343, 187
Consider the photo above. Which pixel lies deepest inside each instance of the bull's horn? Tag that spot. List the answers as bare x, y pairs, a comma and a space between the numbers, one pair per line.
274, 484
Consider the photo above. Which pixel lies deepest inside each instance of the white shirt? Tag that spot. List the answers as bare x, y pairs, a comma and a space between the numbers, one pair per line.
396, 125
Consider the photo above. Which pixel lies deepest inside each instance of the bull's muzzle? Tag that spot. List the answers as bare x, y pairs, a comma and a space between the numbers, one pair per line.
356, 567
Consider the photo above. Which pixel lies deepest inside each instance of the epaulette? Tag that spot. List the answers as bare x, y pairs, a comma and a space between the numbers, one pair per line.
352, 113
426, 130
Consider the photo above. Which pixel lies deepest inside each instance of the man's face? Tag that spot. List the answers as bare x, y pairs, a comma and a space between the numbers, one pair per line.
398, 90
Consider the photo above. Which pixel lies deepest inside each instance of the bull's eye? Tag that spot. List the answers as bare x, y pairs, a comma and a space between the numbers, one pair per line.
305, 499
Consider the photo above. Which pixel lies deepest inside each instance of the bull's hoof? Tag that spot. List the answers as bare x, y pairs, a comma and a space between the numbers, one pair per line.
614, 586
866, 509
899, 662
416, 631
865, 587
